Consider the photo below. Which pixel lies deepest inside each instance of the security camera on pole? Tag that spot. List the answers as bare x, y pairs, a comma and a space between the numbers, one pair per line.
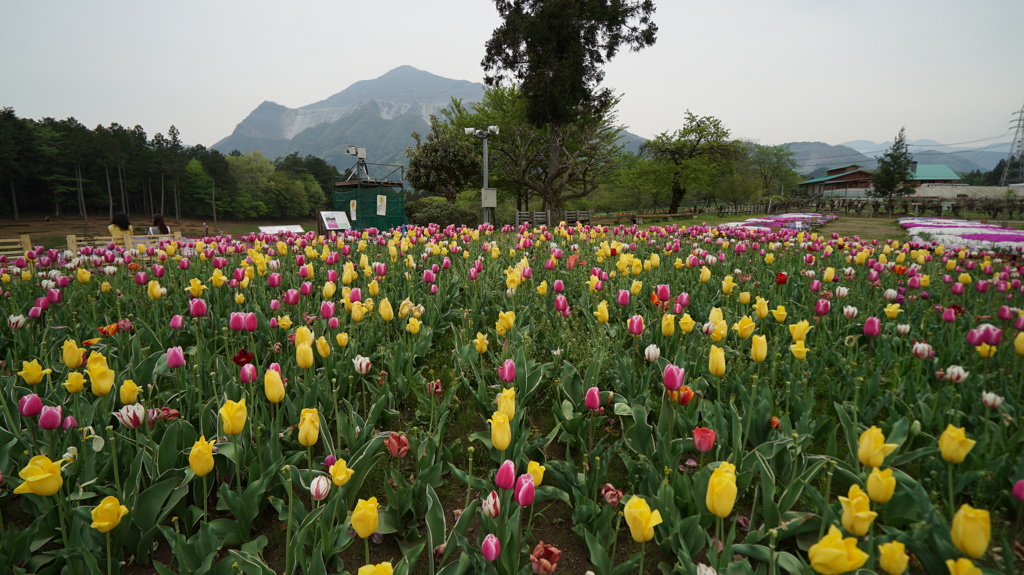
488, 196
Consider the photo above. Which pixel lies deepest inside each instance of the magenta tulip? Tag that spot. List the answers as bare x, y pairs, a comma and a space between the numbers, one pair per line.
69, 423
177, 322
524, 490
623, 298
872, 327
250, 322
236, 321
175, 357
663, 292
30, 405
949, 315
356, 295
491, 547
558, 286
248, 374
291, 297
636, 325
822, 307
50, 417
561, 304
593, 399
506, 476
673, 377
507, 371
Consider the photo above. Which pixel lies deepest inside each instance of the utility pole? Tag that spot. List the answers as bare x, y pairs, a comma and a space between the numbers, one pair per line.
1013, 170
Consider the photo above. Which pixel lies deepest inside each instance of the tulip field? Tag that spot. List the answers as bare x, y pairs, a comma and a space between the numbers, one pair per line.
767, 399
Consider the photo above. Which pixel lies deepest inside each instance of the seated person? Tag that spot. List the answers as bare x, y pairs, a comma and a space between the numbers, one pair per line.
119, 226
158, 227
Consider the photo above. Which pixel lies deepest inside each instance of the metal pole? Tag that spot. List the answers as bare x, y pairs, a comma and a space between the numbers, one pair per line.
487, 211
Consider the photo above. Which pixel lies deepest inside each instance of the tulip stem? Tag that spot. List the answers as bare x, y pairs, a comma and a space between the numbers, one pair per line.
366, 547
110, 556
643, 557
238, 463
718, 538
469, 480
117, 473
288, 526
952, 508
827, 494
206, 497
615, 536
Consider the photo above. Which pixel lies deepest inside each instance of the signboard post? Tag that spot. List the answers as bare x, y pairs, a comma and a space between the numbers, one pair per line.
382, 205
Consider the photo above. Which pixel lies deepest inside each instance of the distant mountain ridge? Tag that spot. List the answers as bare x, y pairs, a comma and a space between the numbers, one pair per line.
814, 158
379, 115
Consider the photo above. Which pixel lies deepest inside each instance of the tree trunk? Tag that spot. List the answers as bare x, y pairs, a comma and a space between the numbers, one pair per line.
81, 198
161, 192
110, 194
678, 193
124, 192
213, 202
14, 200
177, 209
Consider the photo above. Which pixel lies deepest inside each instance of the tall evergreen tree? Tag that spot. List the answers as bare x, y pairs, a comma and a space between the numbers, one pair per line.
894, 169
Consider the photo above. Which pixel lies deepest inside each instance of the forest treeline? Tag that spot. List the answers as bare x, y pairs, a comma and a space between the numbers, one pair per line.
55, 167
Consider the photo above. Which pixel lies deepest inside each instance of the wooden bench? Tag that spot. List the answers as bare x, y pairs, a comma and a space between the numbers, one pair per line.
573, 216
127, 241
15, 247
533, 218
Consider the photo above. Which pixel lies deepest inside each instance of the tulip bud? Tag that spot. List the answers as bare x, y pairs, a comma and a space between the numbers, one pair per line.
491, 547
30, 405
319, 488
506, 476
652, 353
491, 505
593, 399
50, 417
989, 399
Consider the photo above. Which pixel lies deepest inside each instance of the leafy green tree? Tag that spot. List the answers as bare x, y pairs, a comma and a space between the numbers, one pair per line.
445, 163
775, 165
554, 50
693, 155
894, 170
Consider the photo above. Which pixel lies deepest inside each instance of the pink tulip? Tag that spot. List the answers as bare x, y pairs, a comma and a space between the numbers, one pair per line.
306, 288
663, 292
177, 322
35, 312
593, 399
332, 275
327, 309
673, 377
815, 285
50, 417
524, 490
491, 547
872, 327
558, 286
184, 264
1018, 490
291, 297
274, 280
69, 423
333, 323
822, 307
507, 371
506, 476
159, 270
949, 315
561, 304
636, 325
197, 307
175, 357
236, 321
429, 276
990, 334
30, 405
623, 297
474, 273
141, 279
683, 299
957, 288
248, 374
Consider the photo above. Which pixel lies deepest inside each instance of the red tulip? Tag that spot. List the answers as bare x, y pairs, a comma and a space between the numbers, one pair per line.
703, 439
398, 445
781, 278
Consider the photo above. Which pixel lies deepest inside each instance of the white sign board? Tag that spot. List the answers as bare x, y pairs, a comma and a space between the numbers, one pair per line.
335, 220
382, 205
352, 209
281, 229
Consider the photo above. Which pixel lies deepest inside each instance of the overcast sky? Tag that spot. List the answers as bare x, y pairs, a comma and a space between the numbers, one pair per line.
773, 70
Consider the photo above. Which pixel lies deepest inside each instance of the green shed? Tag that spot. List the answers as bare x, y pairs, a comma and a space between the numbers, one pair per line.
371, 203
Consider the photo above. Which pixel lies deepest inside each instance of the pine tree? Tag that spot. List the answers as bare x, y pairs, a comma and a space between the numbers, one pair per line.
894, 170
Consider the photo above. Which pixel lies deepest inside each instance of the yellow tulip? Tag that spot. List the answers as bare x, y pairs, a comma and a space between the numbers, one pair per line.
374, 288
857, 514
506, 321
200, 459
285, 322
759, 348
833, 555
761, 308
769, 258
962, 566
304, 335
799, 350
75, 382
686, 323
602, 312
322, 347
641, 519
971, 531
107, 515
384, 568
340, 473
721, 493
480, 343
636, 287
342, 339
881, 485
716, 361
537, 471
129, 392
501, 432
358, 311
779, 313
745, 297
828, 276
153, 290
721, 330
892, 310
716, 315
41, 477
330, 288
965, 278
303, 356
32, 372
83, 275
309, 427
727, 285
893, 558
668, 325
413, 326
74, 356
954, 445
273, 386
744, 327
364, 517
101, 378
239, 298
105, 287
705, 274
1018, 343
232, 416
196, 287
506, 401
985, 350
799, 330
385, 310
872, 448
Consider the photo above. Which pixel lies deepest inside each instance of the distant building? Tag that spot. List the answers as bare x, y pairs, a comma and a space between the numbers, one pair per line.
854, 181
